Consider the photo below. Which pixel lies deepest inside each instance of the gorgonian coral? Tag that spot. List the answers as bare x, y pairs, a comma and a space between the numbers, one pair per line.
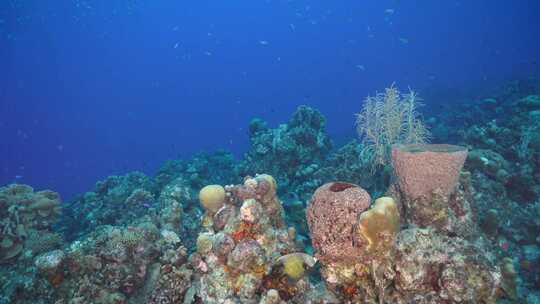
390, 118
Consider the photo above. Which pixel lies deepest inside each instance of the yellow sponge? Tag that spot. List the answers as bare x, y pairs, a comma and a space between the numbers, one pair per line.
379, 225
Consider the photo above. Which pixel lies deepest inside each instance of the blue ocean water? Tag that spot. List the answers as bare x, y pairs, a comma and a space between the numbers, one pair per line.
94, 88
269, 151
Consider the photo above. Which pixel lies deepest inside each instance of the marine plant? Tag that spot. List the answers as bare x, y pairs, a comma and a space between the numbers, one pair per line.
390, 118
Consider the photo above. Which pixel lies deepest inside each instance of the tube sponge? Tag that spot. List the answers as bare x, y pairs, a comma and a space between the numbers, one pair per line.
379, 225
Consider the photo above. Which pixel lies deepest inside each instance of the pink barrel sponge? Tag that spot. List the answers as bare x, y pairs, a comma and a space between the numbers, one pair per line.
331, 217
422, 169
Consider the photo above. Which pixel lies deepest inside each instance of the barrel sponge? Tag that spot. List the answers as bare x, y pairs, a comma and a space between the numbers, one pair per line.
422, 168
331, 217
379, 225
212, 197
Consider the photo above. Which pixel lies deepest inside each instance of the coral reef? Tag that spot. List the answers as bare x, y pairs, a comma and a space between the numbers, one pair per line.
502, 134
434, 254
118, 265
200, 170
433, 268
354, 245
292, 152
192, 234
26, 231
115, 201
379, 263
246, 253
26, 219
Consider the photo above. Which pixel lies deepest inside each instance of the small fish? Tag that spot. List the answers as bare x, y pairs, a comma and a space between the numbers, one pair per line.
293, 28
360, 67
389, 11
263, 42
404, 40
146, 205
207, 53
18, 176
176, 45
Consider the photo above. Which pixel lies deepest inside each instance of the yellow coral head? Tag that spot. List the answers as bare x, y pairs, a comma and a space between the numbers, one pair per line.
379, 225
212, 197
293, 267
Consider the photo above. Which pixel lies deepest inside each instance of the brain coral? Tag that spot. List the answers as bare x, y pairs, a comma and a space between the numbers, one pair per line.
212, 197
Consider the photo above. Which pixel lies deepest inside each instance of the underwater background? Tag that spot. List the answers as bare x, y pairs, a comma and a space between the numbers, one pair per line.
242, 151
92, 88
